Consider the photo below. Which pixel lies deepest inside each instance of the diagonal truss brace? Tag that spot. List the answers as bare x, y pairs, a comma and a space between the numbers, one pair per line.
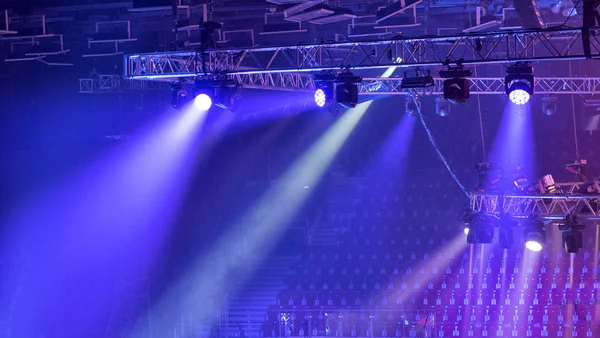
389, 86
481, 48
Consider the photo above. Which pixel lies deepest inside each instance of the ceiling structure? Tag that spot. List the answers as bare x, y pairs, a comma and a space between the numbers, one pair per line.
66, 33
105, 28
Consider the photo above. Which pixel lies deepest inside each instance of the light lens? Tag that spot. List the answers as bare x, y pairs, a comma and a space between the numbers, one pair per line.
320, 97
466, 230
533, 246
203, 102
519, 96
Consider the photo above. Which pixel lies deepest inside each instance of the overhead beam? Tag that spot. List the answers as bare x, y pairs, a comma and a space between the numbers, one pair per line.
392, 86
473, 49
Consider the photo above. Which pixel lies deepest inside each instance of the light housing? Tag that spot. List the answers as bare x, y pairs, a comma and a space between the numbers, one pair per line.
519, 83
456, 86
572, 241
481, 230
572, 237
456, 90
346, 89
418, 81
179, 95
534, 235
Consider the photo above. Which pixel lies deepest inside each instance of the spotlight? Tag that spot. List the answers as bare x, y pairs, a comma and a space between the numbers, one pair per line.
442, 107
324, 88
481, 230
456, 87
519, 83
572, 237
179, 95
549, 185
549, 105
572, 241
323, 92
417, 81
203, 102
412, 105
456, 90
220, 90
346, 89
506, 236
320, 97
466, 230
347, 94
227, 94
534, 235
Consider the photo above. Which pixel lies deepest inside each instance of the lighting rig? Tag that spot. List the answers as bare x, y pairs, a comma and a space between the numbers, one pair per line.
222, 91
456, 85
519, 82
341, 88
572, 237
505, 195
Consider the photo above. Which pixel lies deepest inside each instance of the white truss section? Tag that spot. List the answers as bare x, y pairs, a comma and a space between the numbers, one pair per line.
390, 86
548, 207
477, 48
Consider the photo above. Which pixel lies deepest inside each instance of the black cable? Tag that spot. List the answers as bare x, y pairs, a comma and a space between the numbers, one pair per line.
438, 151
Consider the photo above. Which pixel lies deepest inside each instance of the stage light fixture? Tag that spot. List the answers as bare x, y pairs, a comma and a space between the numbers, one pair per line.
519, 82
320, 97
572, 241
456, 86
179, 95
442, 107
346, 89
534, 235
203, 102
456, 90
572, 236
323, 92
506, 237
549, 105
549, 185
220, 90
417, 81
481, 230
412, 106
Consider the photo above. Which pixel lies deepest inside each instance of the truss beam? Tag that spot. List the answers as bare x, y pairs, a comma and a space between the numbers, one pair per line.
391, 86
111, 83
480, 48
548, 207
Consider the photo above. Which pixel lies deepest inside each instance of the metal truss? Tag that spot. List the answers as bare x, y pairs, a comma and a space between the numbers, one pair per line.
548, 207
480, 48
115, 83
389, 86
